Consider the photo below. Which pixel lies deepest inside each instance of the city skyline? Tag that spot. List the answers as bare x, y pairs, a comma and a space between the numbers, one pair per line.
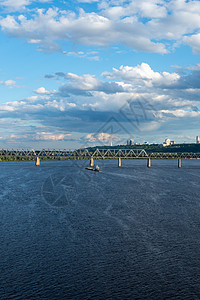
76, 73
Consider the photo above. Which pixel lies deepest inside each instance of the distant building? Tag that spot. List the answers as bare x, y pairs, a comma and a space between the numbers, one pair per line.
167, 142
130, 142
197, 140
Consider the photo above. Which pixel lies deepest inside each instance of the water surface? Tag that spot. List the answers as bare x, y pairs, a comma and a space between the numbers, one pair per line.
125, 233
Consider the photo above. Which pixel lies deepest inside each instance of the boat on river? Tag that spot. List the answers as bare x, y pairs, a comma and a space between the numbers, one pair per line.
96, 169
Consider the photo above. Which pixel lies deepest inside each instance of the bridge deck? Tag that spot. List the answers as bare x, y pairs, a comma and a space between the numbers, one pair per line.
97, 154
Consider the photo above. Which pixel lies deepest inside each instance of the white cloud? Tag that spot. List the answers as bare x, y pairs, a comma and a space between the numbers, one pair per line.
90, 29
153, 100
194, 42
32, 98
181, 113
91, 55
51, 136
34, 41
58, 105
143, 25
9, 83
86, 84
106, 137
127, 73
102, 137
18, 5
17, 136
7, 107
87, 1
143, 74
43, 91
14, 5
90, 137
143, 8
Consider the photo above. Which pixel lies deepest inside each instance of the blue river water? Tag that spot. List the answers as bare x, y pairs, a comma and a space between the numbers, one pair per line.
125, 233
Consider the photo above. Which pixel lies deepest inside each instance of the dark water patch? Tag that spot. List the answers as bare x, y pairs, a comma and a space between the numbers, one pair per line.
125, 233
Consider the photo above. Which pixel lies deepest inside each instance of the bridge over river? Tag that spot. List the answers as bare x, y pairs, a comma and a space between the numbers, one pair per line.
96, 154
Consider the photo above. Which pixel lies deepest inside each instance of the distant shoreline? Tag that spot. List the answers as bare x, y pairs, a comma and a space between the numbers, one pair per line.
149, 148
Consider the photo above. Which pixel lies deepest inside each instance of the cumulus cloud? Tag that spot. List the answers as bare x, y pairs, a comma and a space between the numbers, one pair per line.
51, 136
143, 8
137, 97
128, 82
9, 83
86, 84
46, 28
145, 74
102, 137
180, 113
32, 98
128, 73
43, 91
18, 5
194, 42
143, 25
14, 5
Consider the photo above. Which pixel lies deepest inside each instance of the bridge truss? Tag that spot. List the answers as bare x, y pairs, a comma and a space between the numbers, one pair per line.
97, 154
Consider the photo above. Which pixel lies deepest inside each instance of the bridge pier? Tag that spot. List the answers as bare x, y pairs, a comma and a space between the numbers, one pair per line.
92, 162
179, 163
149, 162
119, 162
37, 163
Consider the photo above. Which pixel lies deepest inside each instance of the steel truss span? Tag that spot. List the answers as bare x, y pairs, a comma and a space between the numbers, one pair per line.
97, 154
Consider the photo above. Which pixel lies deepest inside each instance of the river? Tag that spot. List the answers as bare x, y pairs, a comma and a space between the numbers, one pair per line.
125, 233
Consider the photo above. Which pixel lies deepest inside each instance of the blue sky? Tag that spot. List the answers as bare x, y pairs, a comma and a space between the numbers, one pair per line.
80, 73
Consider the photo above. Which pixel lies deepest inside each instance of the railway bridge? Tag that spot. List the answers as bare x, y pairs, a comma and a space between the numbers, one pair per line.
96, 154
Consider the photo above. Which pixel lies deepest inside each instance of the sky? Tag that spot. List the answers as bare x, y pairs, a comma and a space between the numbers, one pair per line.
82, 73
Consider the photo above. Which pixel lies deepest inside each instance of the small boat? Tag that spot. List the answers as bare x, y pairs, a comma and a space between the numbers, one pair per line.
96, 169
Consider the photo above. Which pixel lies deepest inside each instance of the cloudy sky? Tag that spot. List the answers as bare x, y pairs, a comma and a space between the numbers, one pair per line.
86, 72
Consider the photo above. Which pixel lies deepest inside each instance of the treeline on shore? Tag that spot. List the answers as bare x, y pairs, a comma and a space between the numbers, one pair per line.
176, 148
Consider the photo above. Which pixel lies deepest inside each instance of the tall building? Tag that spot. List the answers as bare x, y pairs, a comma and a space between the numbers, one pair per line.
130, 142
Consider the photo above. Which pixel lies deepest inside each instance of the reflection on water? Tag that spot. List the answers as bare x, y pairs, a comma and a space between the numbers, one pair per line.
125, 233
